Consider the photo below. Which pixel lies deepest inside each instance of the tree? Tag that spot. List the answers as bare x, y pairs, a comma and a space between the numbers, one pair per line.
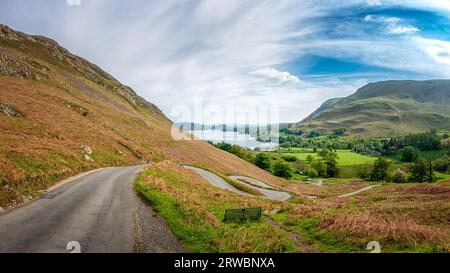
420, 171
314, 134
409, 154
320, 167
331, 163
380, 170
309, 158
312, 173
263, 161
282, 169
399, 176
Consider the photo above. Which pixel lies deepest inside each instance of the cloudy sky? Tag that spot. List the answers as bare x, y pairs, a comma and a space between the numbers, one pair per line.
292, 54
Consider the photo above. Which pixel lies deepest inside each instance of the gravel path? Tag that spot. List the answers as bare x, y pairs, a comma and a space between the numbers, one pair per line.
359, 191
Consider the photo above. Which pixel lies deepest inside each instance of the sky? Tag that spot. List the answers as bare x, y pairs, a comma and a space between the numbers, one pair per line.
286, 55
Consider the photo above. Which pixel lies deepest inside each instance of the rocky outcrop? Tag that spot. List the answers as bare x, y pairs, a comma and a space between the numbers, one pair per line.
87, 152
10, 110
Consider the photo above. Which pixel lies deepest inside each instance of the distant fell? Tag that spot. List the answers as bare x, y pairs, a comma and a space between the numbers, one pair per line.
385, 108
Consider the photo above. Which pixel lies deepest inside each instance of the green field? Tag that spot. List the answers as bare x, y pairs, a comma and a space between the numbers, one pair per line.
345, 157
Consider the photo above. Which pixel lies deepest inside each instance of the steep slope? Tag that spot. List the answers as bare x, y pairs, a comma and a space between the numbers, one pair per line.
385, 109
61, 115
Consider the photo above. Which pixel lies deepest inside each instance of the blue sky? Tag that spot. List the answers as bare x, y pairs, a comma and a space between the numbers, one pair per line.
292, 54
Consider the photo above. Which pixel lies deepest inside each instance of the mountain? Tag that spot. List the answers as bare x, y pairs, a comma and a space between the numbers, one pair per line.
61, 115
385, 108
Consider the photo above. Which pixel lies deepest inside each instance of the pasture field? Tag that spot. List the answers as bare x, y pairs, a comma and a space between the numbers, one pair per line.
345, 157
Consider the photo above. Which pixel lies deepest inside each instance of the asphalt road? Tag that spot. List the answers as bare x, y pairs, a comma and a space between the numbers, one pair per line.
262, 188
257, 185
216, 180
100, 211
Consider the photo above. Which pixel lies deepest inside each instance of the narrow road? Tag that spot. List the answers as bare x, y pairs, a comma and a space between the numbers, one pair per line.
251, 181
262, 187
359, 191
267, 193
100, 211
215, 180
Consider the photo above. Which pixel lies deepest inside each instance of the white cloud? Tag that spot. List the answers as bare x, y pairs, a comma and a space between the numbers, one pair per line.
275, 75
438, 50
394, 29
225, 51
374, 2
392, 25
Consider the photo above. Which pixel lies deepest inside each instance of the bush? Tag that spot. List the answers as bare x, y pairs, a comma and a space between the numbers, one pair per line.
282, 169
289, 158
320, 167
399, 176
409, 154
263, 161
312, 173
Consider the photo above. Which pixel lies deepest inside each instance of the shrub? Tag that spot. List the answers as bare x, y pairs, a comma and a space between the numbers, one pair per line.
282, 169
312, 173
289, 158
320, 167
409, 154
263, 161
399, 176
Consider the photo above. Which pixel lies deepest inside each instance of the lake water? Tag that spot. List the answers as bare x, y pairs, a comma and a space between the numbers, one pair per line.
243, 140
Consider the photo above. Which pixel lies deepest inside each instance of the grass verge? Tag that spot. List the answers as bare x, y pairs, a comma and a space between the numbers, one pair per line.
194, 211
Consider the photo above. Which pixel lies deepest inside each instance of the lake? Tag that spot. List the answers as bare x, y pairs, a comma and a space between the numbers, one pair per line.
237, 138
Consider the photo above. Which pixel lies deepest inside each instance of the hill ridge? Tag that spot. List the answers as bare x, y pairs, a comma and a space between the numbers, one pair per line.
385, 108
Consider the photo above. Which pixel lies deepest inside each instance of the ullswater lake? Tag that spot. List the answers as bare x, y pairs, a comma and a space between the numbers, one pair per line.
236, 138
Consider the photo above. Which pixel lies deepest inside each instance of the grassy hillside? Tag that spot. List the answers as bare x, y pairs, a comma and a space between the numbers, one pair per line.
386, 109
61, 115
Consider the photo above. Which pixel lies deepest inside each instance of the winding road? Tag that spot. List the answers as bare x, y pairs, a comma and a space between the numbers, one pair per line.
99, 211
267, 191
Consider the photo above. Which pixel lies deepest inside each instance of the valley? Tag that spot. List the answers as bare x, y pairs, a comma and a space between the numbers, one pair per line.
370, 167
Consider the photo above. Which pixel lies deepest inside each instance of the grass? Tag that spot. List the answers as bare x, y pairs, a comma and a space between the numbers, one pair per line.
345, 157
403, 225
195, 216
